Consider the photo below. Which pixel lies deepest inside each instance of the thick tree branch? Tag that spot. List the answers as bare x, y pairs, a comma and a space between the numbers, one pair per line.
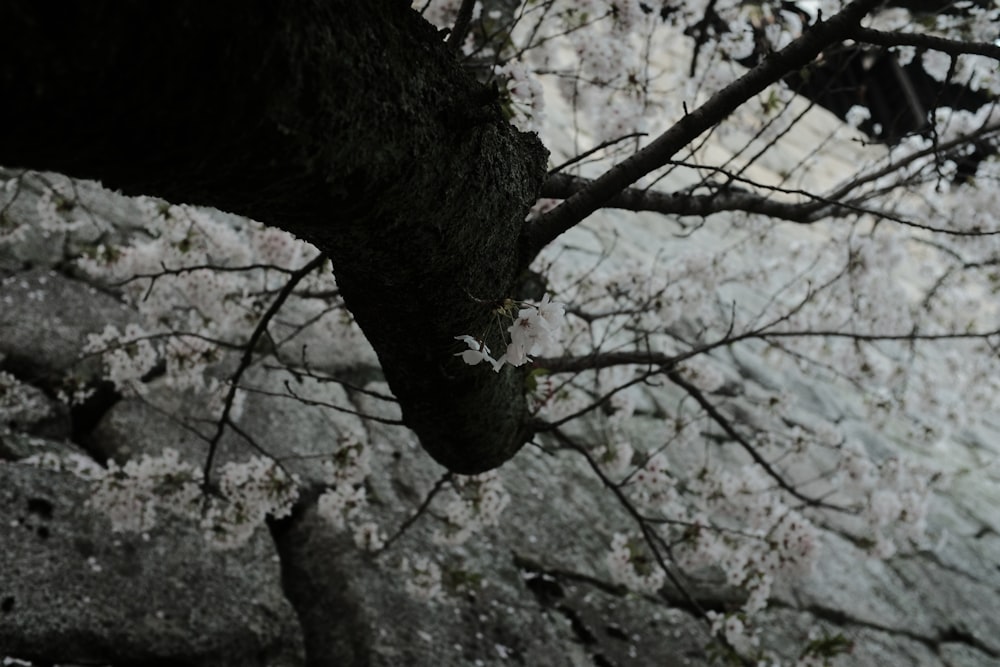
664, 362
564, 186
796, 55
735, 199
816, 207
461, 28
952, 47
349, 124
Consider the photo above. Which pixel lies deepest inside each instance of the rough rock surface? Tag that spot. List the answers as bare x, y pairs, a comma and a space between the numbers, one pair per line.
46, 320
73, 591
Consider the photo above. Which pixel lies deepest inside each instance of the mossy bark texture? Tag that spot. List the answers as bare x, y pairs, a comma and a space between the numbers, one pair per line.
347, 123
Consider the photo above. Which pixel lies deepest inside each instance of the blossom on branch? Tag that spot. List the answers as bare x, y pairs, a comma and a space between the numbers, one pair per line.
535, 330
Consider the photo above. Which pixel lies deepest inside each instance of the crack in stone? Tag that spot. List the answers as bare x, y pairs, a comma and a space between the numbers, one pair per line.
951, 635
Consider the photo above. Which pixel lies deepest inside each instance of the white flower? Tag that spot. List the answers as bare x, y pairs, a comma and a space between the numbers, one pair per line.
423, 578
616, 458
529, 334
856, 115
368, 537
477, 351
341, 504
635, 573
534, 330
476, 502
552, 316
527, 96
702, 374
527, 328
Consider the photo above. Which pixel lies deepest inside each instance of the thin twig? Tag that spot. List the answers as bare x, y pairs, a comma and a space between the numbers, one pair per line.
461, 28
295, 278
438, 485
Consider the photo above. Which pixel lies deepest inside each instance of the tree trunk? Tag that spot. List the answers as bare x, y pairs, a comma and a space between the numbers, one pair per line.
347, 123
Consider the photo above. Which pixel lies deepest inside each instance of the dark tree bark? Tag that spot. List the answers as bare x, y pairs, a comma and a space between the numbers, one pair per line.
347, 123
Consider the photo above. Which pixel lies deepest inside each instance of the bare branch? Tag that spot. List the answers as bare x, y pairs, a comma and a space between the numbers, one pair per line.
952, 47
565, 186
461, 27
982, 132
648, 533
796, 55
748, 447
419, 512
816, 208
663, 361
291, 394
153, 277
599, 147
541, 426
247, 357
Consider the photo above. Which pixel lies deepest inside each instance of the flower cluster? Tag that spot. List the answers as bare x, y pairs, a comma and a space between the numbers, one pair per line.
133, 495
856, 115
127, 356
475, 502
894, 499
422, 578
734, 520
77, 464
345, 502
527, 99
629, 566
250, 491
743, 639
20, 402
199, 281
200, 284
342, 504
747, 529
535, 330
